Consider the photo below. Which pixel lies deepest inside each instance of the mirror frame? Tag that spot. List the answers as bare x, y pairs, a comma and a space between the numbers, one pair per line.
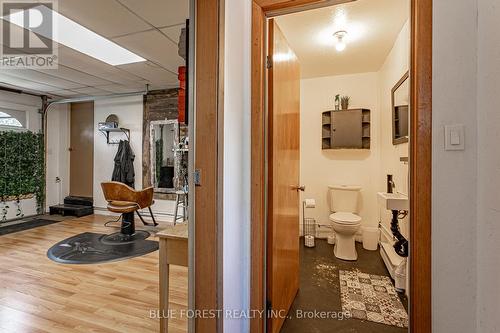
404, 139
152, 147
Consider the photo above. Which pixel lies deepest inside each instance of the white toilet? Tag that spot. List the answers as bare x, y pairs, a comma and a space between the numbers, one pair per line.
345, 221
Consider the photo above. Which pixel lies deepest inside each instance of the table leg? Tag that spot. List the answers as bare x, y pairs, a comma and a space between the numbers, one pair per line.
164, 277
177, 198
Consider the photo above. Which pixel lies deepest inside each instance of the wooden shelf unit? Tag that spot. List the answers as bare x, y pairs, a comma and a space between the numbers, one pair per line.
346, 129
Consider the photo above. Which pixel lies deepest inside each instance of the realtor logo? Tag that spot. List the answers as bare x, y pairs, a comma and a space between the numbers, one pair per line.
27, 35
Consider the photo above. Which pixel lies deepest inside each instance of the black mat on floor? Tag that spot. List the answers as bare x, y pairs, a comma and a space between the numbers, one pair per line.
26, 225
88, 248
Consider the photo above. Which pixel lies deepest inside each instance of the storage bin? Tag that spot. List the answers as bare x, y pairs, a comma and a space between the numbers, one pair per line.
370, 238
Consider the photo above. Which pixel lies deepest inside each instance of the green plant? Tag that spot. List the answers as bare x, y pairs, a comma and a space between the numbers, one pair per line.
158, 159
344, 101
337, 101
22, 168
158, 156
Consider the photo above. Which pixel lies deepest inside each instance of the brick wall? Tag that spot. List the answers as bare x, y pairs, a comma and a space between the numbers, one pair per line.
158, 105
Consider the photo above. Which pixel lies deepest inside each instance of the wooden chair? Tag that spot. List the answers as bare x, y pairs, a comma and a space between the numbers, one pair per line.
125, 200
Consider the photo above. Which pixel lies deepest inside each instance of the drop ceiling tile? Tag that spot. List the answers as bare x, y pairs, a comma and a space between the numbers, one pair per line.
105, 17
74, 75
79, 61
31, 101
65, 93
44, 78
17, 33
160, 13
119, 89
174, 32
91, 91
153, 74
24, 84
155, 47
16, 30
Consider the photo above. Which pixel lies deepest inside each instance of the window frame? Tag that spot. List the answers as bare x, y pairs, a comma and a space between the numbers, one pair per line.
19, 115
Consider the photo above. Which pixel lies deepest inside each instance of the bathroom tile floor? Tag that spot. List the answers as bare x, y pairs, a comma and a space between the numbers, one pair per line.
320, 291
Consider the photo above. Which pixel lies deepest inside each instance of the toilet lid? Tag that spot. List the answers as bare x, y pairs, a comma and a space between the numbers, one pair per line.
346, 218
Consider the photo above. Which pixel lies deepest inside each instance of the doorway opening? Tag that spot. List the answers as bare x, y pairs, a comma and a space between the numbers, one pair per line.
81, 149
342, 150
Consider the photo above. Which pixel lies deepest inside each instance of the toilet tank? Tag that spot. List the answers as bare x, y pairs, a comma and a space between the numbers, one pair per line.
344, 198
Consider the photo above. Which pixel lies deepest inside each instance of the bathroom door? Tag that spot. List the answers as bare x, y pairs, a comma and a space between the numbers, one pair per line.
283, 178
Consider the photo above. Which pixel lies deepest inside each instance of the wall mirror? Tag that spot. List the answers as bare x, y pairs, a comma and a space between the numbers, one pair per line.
400, 96
168, 148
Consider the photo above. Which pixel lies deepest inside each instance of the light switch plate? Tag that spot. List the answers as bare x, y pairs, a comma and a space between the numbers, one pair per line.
454, 137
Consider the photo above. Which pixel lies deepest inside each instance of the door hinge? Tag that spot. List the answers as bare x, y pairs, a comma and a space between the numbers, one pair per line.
197, 177
269, 62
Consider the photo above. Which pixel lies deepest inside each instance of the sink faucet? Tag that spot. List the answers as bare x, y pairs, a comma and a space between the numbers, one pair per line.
390, 184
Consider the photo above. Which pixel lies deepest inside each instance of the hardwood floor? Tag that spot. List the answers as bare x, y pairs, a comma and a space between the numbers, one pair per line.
39, 295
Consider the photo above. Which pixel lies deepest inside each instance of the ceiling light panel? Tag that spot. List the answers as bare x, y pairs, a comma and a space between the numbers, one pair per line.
73, 35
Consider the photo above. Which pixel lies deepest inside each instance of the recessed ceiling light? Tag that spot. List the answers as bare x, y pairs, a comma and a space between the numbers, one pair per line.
73, 35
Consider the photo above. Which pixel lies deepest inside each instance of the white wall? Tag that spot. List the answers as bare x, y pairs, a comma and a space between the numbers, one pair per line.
31, 105
488, 210
236, 192
58, 142
454, 173
130, 112
366, 168
320, 168
395, 66
22, 102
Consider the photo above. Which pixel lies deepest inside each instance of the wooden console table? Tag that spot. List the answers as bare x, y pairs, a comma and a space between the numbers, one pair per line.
173, 251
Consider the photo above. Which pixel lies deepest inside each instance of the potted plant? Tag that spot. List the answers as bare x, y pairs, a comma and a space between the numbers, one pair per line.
344, 102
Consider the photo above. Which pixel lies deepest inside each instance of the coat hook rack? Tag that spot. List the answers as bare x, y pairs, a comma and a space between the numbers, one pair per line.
107, 132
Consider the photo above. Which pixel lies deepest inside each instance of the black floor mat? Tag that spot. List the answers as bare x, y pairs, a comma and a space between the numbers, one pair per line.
21, 226
87, 248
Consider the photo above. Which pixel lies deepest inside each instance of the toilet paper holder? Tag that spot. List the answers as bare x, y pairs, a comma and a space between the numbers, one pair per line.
308, 224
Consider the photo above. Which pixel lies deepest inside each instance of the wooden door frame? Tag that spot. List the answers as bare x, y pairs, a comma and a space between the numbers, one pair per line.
206, 243
420, 309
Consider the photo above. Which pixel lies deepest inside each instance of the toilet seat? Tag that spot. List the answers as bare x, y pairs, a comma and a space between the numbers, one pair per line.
345, 218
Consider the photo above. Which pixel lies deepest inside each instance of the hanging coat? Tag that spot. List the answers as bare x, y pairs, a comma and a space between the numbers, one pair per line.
124, 164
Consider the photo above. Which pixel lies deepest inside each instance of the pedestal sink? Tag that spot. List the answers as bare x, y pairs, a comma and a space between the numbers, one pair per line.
393, 201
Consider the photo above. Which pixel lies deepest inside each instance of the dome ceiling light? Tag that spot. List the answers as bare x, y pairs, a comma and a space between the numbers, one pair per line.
340, 43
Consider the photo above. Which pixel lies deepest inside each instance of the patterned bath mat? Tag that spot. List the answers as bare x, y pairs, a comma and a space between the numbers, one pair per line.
371, 297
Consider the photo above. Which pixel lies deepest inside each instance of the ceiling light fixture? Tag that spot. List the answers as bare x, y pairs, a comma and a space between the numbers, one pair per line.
73, 35
340, 44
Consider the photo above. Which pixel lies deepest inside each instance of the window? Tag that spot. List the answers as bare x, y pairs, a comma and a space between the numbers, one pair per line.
12, 118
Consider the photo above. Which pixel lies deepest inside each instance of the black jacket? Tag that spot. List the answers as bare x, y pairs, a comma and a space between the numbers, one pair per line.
124, 164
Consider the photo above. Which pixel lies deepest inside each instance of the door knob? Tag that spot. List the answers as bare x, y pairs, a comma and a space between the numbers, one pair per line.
299, 188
